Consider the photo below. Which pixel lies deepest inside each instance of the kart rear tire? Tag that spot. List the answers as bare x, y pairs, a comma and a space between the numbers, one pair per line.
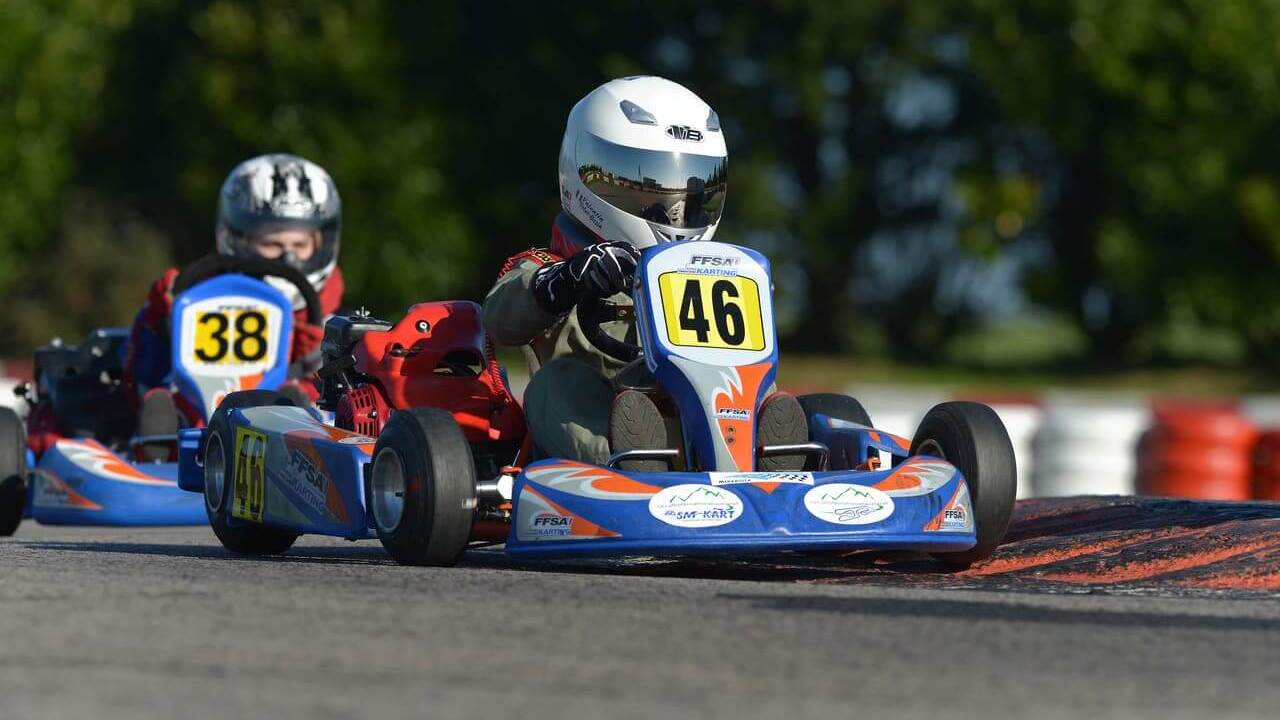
970, 436
422, 488
840, 407
13, 471
219, 456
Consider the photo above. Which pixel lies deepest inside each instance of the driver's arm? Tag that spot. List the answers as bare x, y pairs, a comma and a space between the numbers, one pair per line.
533, 293
511, 314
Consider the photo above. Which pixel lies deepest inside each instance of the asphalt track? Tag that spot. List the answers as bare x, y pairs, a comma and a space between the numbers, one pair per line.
1095, 608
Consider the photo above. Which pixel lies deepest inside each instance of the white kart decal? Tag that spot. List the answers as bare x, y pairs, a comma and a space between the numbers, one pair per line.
695, 506
848, 504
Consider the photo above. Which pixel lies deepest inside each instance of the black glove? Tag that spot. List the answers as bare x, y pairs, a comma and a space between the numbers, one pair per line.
603, 269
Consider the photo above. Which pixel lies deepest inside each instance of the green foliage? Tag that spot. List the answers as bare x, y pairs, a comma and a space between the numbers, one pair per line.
891, 157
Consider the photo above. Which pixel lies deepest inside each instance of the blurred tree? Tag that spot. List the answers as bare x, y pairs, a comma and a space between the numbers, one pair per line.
1164, 119
903, 164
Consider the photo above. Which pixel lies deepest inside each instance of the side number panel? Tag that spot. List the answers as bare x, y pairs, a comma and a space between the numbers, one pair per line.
248, 492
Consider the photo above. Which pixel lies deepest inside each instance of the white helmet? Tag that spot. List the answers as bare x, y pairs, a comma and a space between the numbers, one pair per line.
643, 160
278, 192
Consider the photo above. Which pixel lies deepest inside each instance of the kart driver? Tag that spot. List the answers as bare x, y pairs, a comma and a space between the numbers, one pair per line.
278, 207
643, 161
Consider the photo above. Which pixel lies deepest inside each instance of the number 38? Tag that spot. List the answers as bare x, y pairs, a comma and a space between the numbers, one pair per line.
249, 345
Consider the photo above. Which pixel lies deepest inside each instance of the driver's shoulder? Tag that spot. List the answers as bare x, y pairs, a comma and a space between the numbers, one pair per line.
532, 258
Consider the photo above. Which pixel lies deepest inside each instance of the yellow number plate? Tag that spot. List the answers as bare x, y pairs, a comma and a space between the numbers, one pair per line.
711, 311
248, 489
231, 336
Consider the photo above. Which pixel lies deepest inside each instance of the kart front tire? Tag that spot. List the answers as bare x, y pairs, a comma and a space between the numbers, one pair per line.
422, 488
13, 471
219, 458
971, 437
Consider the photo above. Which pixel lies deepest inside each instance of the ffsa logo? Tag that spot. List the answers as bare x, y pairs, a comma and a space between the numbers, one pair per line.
714, 260
684, 132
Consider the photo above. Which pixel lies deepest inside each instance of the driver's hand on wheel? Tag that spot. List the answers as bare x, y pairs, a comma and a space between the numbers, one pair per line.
306, 339
602, 269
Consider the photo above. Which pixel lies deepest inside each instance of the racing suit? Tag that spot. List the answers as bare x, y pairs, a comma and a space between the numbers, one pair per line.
570, 392
148, 356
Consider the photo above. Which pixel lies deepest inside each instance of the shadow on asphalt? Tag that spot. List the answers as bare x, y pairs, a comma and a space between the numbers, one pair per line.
370, 555
979, 611
782, 569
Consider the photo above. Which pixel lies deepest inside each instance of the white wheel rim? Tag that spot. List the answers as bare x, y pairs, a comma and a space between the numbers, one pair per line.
386, 488
215, 473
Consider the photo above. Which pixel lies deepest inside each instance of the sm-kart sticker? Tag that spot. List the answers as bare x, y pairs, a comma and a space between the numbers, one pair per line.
248, 491
847, 504
695, 506
738, 478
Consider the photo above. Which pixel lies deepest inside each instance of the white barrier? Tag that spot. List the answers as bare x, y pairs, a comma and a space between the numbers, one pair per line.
1262, 410
1088, 447
1022, 421
896, 410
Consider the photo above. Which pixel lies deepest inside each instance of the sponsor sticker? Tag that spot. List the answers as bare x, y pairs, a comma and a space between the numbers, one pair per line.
738, 478
307, 481
695, 506
550, 524
848, 504
958, 515
733, 414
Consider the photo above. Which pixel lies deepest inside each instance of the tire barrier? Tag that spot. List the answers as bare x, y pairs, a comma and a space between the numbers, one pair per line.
1087, 449
1197, 451
1266, 467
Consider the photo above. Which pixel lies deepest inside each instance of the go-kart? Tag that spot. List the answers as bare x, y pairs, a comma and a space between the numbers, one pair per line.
87, 457
269, 470
705, 317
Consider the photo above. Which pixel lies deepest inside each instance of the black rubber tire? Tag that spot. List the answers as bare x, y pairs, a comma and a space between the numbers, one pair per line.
972, 437
841, 407
439, 484
13, 471
158, 416
240, 539
253, 398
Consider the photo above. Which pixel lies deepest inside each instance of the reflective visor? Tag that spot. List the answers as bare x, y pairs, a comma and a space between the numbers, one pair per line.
680, 190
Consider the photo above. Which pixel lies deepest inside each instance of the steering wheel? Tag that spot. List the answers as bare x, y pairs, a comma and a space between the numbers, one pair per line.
593, 310
213, 265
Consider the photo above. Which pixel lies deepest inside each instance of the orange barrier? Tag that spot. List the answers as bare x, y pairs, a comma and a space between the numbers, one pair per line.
1197, 451
1266, 467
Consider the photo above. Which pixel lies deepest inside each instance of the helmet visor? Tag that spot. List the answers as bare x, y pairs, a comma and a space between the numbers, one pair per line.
680, 190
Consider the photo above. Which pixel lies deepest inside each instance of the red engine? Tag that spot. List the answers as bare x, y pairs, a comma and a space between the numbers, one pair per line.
436, 356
